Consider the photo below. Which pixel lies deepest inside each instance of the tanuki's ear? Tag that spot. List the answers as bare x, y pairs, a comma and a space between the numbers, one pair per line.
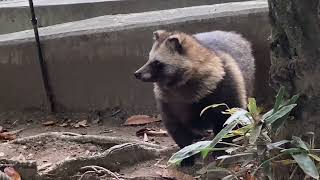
157, 34
175, 43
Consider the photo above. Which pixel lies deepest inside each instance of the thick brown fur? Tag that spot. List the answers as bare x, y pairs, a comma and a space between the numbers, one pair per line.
189, 75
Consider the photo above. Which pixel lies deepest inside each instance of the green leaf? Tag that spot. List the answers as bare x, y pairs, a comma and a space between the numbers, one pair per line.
276, 126
277, 144
267, 114
231, 111
225, 130
213, 106
293, 99
279, 114
299, 143
279, 99
205, 152
279, 123
189, 151
293, 150
240, 131
236, 158
252, 106
306, 164
255, 133
240, 115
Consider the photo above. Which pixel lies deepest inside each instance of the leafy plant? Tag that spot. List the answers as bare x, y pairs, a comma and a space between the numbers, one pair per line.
253, 148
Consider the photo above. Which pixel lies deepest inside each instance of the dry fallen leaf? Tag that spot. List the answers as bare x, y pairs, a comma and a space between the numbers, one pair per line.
140, 120
151, 132
174, 175
82, 123
49, 123
12, 173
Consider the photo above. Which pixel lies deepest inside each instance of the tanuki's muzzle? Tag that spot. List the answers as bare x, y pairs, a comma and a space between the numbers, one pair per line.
145, 73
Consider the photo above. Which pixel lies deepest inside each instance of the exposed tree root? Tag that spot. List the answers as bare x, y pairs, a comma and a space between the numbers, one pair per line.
105, 141
98, 170
120, 153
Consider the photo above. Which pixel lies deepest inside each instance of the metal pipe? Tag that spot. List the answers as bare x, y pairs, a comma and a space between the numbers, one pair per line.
43, 65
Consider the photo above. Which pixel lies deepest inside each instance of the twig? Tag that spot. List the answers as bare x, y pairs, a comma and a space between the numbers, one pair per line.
293, 172
98, 169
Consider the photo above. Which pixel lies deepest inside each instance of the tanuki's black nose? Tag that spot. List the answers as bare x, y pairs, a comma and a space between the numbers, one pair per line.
137, 75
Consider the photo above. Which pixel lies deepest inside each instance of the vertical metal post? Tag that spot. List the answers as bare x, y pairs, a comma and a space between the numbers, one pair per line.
43, 66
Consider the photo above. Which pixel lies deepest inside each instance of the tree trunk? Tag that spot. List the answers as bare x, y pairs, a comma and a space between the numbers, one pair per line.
295, 60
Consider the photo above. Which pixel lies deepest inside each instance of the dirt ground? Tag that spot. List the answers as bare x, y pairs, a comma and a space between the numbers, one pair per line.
50, 151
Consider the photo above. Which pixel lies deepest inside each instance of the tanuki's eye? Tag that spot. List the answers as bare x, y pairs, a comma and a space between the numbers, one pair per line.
156, 62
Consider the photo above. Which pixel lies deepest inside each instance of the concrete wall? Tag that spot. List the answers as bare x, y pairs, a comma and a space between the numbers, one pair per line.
15, 15
91, 62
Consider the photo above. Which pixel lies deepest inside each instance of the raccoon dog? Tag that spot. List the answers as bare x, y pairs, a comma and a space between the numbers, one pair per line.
191, 72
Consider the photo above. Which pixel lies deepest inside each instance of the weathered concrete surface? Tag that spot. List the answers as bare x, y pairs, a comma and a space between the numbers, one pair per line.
91, 61
15, 14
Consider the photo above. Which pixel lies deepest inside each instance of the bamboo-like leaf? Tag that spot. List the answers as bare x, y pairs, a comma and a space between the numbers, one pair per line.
267, 114
293, 99
205, 152
299, 143
306, 164
188, 151
225, 130
279, 99
279, 123
255, 133
231, 111
236, 158
280, 113
240, 131
252, 106
293, 151
239, 115
277, 144
213, 106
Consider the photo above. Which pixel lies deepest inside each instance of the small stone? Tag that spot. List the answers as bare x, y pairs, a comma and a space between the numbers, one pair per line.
87, 153
92, 148
30, 156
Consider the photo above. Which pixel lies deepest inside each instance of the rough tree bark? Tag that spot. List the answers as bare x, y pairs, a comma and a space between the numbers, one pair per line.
295, 59
295, 64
